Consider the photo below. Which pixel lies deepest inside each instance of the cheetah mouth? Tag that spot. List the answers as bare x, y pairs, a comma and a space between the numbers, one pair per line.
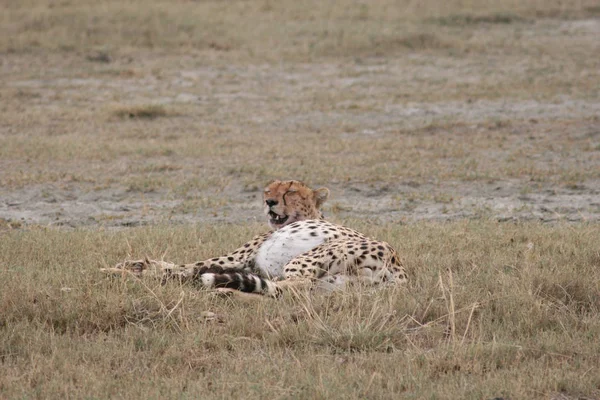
276, 219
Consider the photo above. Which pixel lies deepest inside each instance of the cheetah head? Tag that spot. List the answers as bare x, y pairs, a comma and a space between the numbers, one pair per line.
286, 202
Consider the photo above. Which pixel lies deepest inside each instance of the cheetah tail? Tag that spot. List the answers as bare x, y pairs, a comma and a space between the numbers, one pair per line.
239, 280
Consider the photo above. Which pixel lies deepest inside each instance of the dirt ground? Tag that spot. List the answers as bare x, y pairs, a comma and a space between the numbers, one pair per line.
117, 207
501, 122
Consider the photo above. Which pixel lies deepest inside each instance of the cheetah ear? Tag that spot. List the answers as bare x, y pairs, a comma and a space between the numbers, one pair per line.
321, 195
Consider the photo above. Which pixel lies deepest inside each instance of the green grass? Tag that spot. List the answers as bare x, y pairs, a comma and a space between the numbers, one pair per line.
508, 310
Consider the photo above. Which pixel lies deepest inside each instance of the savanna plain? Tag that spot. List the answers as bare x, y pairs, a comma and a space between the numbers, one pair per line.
464, 133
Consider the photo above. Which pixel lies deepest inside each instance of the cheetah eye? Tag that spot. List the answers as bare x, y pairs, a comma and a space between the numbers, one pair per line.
267, 191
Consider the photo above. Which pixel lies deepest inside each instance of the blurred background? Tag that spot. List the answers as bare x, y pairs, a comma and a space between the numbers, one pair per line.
120, 113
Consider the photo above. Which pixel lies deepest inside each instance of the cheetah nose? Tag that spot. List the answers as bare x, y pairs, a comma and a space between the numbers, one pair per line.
271, 203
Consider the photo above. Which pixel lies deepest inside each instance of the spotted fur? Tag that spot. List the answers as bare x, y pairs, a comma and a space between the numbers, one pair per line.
302, 246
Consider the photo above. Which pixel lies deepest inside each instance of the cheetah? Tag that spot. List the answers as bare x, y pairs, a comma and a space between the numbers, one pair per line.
301, 249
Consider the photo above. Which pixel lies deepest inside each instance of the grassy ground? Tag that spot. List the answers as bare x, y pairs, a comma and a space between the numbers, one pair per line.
503, 310
183, 96
145, 111
492, 310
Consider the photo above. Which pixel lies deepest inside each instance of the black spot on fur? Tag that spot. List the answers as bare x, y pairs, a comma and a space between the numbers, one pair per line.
233, 278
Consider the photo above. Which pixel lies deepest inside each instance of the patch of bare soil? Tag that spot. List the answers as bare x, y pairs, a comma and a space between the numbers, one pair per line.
506, 133
405, 202
502, 200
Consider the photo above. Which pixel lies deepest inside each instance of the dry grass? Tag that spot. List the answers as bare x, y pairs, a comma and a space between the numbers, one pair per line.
492, 310
204, 101
180, 156
256, 29
146, 111
421, 91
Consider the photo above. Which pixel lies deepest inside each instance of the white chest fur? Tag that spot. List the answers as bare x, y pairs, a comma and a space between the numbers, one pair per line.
283, 245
